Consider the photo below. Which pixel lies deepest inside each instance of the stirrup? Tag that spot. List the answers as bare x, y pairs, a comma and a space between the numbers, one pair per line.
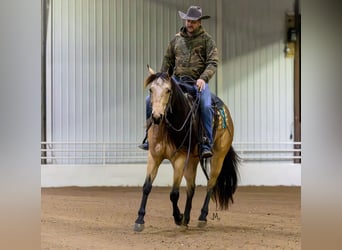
206, 153
144, 145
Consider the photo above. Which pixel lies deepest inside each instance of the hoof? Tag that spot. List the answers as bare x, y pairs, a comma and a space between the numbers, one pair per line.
183, 228
201, 223
138, 227
179, 220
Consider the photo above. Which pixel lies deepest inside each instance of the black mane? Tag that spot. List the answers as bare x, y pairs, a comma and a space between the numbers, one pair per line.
177, 114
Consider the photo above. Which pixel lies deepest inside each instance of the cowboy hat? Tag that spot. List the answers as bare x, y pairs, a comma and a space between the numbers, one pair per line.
193, 13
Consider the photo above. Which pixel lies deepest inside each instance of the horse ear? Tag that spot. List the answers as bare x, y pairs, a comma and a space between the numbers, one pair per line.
150, 70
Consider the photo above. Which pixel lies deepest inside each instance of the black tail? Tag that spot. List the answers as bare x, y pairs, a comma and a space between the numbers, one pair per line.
226, 183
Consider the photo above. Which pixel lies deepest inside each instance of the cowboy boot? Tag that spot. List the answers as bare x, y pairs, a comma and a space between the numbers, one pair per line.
206, 148
144, 144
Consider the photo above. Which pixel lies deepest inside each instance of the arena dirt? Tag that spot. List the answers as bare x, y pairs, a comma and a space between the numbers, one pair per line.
103, 218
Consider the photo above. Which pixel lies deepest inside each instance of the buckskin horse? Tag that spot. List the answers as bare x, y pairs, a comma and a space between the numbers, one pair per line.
173, 135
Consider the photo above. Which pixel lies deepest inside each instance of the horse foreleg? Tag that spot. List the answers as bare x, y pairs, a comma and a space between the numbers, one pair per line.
180, 219
152, 169
139, 223
190, 175
174, 197
174, 194
188, 205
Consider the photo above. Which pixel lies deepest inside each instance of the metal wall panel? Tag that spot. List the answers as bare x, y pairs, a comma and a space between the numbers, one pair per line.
257, 79
99, 52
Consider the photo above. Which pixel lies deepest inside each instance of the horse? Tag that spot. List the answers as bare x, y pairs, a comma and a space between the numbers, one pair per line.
173, 135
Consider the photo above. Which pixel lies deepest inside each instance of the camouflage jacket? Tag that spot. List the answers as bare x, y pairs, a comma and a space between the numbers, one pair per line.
194, 56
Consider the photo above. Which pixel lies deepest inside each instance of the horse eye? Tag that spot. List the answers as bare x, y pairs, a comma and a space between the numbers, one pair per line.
150, 90
168, 91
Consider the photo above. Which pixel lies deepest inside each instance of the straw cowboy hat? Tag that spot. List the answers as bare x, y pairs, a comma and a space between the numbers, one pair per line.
193, 13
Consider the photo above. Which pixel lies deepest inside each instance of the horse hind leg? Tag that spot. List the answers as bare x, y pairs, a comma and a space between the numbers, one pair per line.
202, 220
222, 184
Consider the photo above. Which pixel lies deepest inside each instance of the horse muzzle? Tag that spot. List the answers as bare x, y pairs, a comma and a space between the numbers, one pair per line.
157, 118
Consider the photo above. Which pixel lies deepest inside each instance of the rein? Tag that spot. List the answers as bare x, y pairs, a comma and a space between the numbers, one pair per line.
188, 80
193, 110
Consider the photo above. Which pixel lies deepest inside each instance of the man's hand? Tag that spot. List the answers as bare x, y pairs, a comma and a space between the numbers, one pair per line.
200, 83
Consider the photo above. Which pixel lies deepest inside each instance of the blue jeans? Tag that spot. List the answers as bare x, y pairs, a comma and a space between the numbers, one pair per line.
205, 109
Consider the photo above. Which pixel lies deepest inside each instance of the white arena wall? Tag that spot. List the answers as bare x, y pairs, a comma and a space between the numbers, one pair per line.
251, 174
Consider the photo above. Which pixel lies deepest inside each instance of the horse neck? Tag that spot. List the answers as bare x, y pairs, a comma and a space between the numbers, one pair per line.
178, 116
179, 109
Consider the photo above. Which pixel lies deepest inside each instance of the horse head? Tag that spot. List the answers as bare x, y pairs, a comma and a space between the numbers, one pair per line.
160, 89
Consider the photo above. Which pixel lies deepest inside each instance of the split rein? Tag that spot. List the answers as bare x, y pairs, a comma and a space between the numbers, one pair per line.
193, 110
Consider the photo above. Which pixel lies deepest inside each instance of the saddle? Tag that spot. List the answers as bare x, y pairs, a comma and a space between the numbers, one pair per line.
219, 117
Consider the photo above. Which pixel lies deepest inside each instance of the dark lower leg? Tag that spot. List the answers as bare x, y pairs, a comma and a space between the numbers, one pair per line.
146, 191
174, 197
188, 205
205, 208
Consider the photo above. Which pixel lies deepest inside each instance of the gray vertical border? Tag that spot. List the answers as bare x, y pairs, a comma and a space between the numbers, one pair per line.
321, 124
20, 112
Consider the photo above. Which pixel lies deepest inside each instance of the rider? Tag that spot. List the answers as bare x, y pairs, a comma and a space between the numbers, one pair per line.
192, 54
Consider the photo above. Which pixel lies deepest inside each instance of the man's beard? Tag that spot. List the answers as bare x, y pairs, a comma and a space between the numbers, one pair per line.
191, 31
